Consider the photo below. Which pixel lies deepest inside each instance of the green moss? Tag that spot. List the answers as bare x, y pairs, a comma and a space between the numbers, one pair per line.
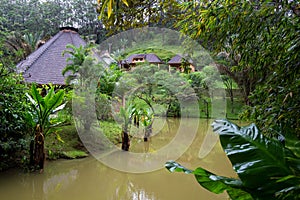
61, 141
64, 142
112, 131
74, 154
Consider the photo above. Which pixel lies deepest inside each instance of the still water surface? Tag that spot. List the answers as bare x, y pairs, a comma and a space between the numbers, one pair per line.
89, 179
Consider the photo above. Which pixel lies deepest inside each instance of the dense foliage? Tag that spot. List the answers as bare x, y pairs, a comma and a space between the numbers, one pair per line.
47, 16
122, 15
13, 105
13, 125
261, 41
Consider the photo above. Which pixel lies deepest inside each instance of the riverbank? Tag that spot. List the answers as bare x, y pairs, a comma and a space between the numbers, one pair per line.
64, 143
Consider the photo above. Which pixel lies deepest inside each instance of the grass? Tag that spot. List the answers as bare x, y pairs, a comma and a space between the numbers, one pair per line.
64, 142
74, 154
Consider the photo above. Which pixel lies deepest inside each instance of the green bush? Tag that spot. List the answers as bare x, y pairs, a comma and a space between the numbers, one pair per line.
14, 131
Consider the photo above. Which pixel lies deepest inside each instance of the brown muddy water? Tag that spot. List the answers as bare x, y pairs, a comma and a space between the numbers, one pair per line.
89, 179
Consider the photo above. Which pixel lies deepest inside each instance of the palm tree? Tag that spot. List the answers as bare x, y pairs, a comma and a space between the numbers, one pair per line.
127, 114
75, 61
16, 45
33, 40
22, 45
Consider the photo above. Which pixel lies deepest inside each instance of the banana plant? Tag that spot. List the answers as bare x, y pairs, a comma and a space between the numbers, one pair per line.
43, 107
146, 115
267, 168
126, 114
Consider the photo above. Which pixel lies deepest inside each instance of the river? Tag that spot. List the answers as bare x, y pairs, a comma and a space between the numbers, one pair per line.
89, 179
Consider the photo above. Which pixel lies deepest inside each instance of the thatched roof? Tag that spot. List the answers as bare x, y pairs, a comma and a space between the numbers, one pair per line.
151, 58
45, 65
177, 59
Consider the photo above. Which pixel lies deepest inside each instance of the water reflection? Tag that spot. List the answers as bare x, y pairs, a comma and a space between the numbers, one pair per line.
89, 179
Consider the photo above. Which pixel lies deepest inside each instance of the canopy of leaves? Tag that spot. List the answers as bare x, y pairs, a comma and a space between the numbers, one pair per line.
123, 15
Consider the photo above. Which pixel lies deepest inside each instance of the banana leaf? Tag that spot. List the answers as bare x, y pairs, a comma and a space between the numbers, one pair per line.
44, 106
265, 167
260, 162
214, 183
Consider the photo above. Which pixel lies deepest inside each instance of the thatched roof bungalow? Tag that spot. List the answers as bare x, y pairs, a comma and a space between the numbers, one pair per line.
134, 59
177, 61
45, 65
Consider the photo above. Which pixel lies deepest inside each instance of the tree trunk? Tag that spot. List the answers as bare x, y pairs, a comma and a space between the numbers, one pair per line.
39, 149
87, 126
148, 132
136, 121
207, 110
231, 100
125, 140
31, 153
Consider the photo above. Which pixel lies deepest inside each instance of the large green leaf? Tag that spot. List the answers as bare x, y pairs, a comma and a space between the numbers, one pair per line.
49, 94
55, 100
52, 102
212, 182
266, 168
37, 97
259, 161
44, 106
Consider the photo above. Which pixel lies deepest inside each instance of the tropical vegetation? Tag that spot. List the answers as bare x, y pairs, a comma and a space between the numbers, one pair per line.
40, 120
256, 47
256, 43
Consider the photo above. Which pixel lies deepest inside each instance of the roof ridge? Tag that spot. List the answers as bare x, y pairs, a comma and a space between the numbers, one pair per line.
42, 49
72, 40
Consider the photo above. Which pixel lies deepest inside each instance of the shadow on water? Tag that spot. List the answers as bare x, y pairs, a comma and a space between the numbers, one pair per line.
90, 179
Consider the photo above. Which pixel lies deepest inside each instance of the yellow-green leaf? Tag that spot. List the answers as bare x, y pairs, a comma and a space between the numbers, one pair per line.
59, 138
125, 2
109, 8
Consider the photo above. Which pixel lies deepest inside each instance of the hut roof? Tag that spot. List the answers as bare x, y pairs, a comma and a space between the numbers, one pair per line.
177, 59
45, 65
151, 58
